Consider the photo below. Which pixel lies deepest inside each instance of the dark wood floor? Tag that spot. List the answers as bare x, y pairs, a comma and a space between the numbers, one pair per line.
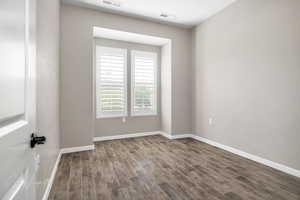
154, 168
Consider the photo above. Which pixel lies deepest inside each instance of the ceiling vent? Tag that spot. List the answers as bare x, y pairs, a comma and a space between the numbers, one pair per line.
167, 16
112, 3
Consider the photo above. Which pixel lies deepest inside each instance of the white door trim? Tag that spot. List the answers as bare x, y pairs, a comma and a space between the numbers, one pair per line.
15, 189
12, 127
52, 177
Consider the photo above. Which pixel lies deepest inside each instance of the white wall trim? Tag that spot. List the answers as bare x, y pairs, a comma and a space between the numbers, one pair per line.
15, 189
132, 135
258, 159
167, 135
174, 137
52, 176
99, 32
255, 158
77, 149
54, 170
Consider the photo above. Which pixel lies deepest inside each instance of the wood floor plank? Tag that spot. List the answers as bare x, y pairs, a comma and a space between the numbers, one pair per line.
155, 168
75, 182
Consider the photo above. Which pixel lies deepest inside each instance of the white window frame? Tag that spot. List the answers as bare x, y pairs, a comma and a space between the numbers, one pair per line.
155, 96
99, 113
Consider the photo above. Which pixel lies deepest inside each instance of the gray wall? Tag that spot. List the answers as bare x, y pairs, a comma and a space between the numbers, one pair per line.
115, 126
247, 78
76, 69
48, 13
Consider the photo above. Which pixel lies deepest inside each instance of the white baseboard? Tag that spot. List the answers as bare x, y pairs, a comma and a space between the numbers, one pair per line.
133, 135
117, 137
52, 176
54, 170
258, 159
165, 135
174, 137
77, 149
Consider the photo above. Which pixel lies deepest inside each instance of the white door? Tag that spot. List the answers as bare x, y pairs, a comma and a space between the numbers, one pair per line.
18, 162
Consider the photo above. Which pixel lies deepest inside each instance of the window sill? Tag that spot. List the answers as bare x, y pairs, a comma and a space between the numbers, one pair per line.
145, 115
111, 117
127, 116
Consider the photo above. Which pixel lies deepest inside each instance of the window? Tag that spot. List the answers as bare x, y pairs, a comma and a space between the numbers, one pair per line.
111, 82
143, 83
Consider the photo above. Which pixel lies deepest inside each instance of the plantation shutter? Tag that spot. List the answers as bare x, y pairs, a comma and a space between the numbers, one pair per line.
144, 83
111, 82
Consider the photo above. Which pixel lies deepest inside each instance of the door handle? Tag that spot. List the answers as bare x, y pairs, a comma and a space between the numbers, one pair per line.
37, 140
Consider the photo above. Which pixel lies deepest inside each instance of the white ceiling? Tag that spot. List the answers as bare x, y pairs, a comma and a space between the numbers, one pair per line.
187, 13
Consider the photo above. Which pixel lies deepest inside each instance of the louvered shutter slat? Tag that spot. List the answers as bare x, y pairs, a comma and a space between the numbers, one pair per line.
111, 64
144, 83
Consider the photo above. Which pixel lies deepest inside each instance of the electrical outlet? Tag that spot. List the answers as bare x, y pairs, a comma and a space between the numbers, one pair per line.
124, 119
